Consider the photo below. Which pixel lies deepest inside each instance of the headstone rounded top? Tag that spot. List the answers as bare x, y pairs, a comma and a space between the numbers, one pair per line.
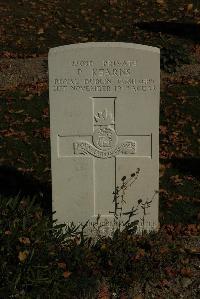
104, 116
104, 45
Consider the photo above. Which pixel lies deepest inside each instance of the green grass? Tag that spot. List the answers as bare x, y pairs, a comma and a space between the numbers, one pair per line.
25, 133
179, 113
31, 250
179, 199
41, 259
32, 27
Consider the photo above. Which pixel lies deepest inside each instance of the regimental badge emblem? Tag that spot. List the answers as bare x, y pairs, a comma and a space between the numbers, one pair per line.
105, 140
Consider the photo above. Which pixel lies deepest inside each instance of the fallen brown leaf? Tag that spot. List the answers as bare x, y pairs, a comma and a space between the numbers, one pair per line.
190, 7
104, 292
7, 232
62, 265
40, 31
66, 274
160, 2
139, 296
22, 256
25, 240
187, 272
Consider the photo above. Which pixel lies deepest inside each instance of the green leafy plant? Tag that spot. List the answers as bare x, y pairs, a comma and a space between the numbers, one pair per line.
40, 258
130, 224
119, 202
37, 258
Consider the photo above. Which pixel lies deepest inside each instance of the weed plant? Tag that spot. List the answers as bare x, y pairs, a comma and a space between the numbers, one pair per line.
41, 259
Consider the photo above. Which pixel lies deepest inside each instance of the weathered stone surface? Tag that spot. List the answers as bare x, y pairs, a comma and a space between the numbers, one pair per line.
104, 114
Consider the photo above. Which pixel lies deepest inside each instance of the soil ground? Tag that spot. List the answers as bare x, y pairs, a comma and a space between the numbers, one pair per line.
30, 28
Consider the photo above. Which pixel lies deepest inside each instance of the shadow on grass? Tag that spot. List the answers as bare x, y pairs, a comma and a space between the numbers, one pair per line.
13, 182
188, 166
179, 201
185, 30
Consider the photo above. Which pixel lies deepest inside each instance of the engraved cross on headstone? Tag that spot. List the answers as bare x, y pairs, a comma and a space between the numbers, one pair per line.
103, 147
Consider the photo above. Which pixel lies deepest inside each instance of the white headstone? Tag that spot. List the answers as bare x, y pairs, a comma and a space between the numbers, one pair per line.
104, 115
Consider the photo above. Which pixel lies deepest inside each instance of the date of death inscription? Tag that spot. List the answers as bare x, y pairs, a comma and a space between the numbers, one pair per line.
108, 76
103, 85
